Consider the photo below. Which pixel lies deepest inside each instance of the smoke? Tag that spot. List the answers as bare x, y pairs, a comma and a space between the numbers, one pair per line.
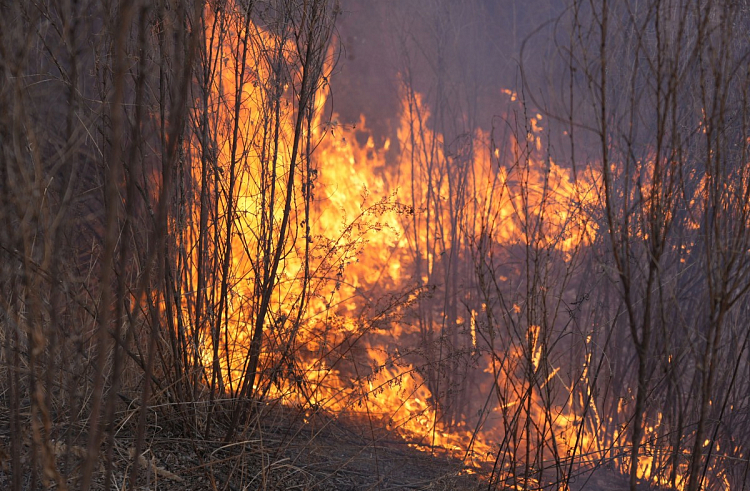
459, 55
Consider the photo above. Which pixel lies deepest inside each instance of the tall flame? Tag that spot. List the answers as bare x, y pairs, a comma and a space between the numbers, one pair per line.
375, 239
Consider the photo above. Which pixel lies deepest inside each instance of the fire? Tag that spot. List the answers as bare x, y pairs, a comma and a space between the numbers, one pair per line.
368, 240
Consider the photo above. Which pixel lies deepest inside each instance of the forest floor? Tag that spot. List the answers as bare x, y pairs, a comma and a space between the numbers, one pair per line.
283, 448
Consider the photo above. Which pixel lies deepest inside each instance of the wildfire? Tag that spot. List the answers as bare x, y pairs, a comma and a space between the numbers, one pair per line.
368, 239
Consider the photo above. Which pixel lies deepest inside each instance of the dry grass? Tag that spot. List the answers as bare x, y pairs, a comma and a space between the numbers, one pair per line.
282, 448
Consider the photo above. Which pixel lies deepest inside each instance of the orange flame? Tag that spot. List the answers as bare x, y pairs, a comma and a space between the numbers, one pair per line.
377, 227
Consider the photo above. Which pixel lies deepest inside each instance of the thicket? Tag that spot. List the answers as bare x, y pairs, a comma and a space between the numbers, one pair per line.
580, 293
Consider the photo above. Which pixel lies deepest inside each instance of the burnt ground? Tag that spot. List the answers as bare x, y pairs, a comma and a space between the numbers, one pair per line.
282, 448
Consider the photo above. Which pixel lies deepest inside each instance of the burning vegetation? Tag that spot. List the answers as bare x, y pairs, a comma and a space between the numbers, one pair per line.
541, 281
